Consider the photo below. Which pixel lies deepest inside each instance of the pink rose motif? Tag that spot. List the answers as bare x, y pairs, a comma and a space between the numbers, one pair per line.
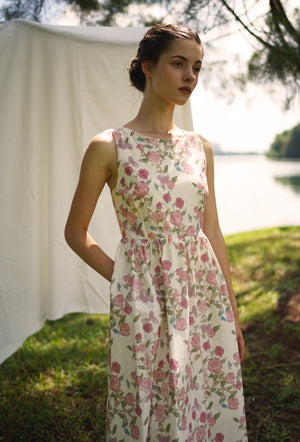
230, 378
137, 285
154, 157
125, 146
138, 411
154, 141
125, 329
135, 432
203, 417
173, 381
173, 364
167, 229
143, 253
182, 394
151, 236
129, 398
116, 367
210, 419
223, 290
196, 341
167, 197
188, 169
115, 383
159, 411
176, 218
238, 385
204, 257
143, 174
201, 305
128, 309
183, 423
166, 265
211, 333
211, 278
145, 385
159, 205
118, 300
190, 230
206, 345
236, 357
200, 433
166, 280
219, 437
214, 365
179, 203
128, 170
191, 320
161, 364
229, 316
156, 375
170, 184
138, 336
184, 303
181, 324
147, 327
233, 403
219, 351
194, 414
188, 371
141, 189
164, 391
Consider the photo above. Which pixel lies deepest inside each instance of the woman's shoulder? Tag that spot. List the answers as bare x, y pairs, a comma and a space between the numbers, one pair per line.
101, 148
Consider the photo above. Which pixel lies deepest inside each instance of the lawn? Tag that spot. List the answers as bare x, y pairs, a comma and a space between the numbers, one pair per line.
54, 387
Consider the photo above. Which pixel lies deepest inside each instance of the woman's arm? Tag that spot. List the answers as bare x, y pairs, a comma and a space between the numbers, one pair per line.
213, 232
99, 166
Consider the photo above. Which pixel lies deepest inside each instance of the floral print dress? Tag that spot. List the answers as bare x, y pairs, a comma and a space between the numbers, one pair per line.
174, 371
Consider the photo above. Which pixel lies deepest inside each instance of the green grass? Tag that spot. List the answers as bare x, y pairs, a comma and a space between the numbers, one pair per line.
54, 387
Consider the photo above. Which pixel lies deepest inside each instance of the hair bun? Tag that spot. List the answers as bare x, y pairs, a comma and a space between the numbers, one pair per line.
136, 74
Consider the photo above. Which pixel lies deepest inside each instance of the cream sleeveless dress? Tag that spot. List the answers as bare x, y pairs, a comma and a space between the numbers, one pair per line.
174, 371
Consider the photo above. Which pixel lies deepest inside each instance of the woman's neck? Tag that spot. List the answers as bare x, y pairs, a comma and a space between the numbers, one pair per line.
154, 119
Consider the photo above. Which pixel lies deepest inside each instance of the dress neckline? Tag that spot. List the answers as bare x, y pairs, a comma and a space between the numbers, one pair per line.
140, 135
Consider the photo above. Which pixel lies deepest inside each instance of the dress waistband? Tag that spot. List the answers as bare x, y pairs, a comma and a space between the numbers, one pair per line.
129, 237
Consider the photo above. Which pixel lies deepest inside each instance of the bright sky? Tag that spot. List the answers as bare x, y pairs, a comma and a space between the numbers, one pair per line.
249, 123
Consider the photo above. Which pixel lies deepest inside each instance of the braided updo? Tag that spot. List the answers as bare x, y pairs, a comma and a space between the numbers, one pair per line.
155, 42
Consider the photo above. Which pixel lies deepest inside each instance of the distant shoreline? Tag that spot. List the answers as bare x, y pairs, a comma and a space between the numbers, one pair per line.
220, 153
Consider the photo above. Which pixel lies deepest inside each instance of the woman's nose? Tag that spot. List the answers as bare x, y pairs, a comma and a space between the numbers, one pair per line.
189, 74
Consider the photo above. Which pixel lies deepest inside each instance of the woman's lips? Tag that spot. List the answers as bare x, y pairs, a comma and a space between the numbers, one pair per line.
185, 90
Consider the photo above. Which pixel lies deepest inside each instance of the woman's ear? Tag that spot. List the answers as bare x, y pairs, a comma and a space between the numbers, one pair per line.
147, 66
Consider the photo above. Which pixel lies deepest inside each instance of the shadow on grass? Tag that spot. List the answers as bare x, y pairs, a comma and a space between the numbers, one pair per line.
266, 276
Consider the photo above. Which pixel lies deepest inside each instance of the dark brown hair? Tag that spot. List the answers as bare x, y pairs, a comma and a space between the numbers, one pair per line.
155, 42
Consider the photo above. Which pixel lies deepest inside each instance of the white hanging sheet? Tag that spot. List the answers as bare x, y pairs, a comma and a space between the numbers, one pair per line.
59, 86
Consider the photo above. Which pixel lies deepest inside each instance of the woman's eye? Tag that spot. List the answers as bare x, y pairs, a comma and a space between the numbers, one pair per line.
197, 70
177, 63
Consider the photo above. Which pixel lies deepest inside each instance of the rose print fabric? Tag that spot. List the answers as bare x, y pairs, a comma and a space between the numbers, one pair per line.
174, 370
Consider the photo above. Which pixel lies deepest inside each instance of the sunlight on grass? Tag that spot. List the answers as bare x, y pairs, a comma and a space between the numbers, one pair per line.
257, 304
55, 386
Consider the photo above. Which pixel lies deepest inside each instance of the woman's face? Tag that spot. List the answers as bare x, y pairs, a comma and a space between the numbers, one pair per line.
175, 75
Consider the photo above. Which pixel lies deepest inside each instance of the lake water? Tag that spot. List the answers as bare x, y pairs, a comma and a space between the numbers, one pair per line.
253, 192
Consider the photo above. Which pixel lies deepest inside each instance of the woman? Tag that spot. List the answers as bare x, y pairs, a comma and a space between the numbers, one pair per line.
175, 343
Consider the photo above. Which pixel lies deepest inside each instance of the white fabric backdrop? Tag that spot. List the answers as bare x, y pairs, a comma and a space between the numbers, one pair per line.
59, 86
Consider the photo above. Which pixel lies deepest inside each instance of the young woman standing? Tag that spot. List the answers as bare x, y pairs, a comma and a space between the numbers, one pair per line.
175, 344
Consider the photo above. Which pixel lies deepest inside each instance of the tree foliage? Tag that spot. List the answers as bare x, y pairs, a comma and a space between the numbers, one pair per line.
286, 144
273, 33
